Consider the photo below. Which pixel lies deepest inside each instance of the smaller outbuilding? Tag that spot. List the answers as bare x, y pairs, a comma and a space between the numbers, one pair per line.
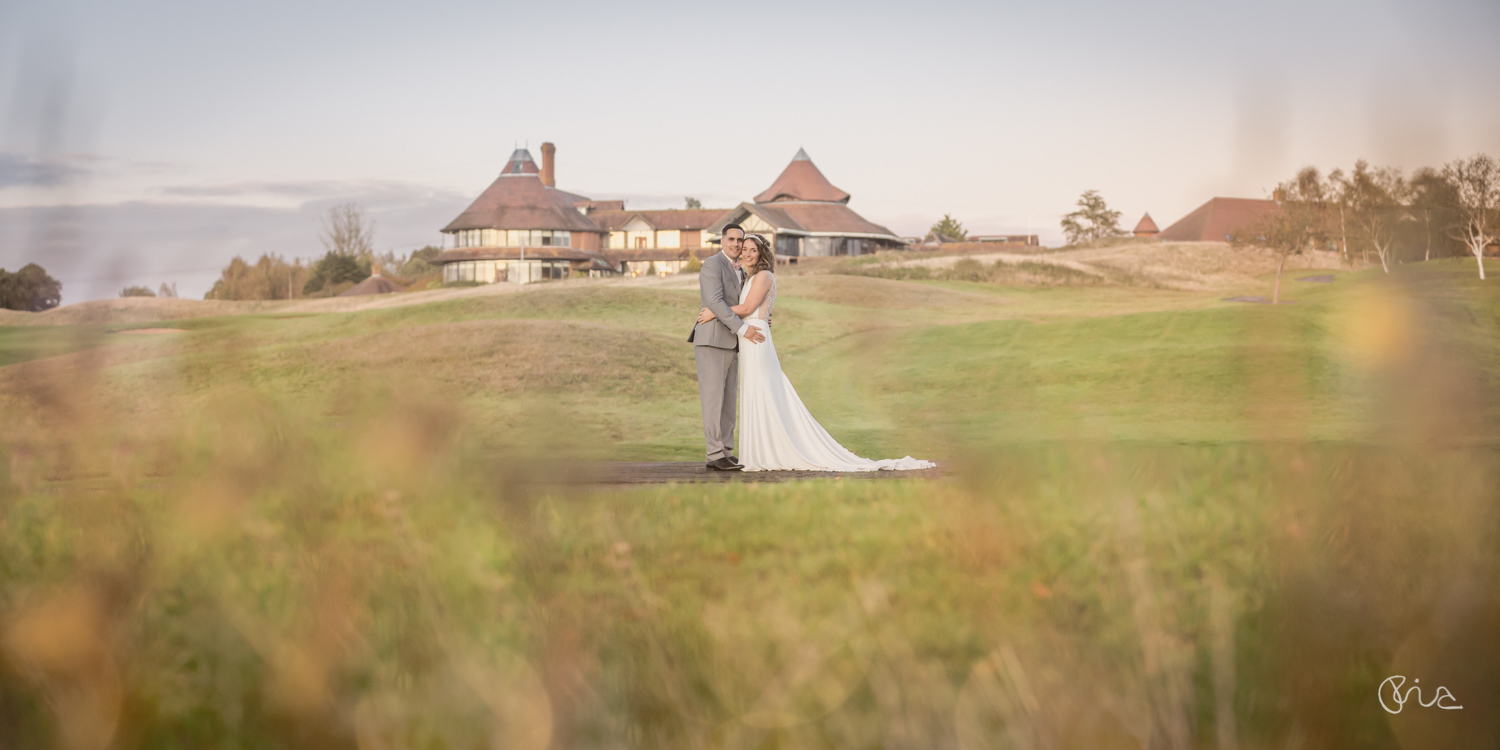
1146, 227
376, 284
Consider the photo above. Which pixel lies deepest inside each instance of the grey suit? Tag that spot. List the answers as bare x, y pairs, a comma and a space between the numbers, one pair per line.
716, 346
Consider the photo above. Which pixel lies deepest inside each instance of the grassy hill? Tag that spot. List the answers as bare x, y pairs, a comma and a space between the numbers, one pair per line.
887, 365
319, 525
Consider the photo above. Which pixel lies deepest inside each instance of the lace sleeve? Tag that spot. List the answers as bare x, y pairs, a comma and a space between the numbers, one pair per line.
770, 301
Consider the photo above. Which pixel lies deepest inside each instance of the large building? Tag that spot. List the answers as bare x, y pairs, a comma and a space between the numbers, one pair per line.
661, 242
1217, 220
522, 228
806, 217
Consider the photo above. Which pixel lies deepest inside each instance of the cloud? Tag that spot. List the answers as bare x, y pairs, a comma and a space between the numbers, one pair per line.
97, 249
368, 193
19, 170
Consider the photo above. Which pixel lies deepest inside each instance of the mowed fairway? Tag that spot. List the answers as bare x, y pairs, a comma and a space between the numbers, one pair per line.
1168, 517
889, 367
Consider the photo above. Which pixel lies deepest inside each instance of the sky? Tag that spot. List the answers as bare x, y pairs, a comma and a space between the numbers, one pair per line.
152, 141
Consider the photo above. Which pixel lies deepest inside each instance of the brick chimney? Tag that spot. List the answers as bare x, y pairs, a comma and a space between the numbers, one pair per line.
548, 177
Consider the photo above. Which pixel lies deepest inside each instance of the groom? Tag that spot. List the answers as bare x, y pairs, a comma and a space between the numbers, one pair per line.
716, 347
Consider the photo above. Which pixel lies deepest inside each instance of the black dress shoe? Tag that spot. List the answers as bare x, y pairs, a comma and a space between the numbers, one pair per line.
723, 463
734, 459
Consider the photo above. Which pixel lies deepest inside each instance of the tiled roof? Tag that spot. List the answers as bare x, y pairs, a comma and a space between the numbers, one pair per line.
1217, 219
801, 181
376, 284
520, 163
685, 219
592, 206
521, 201
1146, 226
803, 218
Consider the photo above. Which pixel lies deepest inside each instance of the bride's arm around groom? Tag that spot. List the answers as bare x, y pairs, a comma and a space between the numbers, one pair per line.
715, 282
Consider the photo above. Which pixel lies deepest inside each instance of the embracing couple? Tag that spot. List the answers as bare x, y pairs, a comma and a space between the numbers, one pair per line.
733, 346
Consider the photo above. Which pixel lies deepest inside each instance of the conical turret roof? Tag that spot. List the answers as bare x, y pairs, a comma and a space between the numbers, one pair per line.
520, 162
1146, 226
517, 199
802, 181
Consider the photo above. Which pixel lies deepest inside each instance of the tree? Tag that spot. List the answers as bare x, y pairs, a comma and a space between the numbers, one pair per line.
1433, 204
420, 262
137, 291
1376, 198
29, 289
950, 228
347, 231
1338, 194
1476, 184
1092, 221
271, 277
694, 202
167, 291
1290, 230
333, 269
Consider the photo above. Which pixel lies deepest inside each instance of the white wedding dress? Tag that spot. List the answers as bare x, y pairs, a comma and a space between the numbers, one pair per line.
776, 430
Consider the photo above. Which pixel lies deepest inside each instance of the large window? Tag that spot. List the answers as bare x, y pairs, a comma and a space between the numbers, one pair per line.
511, 238
789, 246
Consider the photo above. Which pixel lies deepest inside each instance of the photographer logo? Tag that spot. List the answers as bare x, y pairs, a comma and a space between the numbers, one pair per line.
1391, 694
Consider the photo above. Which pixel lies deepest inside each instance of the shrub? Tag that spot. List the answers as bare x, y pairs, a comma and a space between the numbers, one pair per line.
333, 269
29, 289
137, 291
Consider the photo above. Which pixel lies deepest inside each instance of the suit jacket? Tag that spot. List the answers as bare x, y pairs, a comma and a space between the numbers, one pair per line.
718, 288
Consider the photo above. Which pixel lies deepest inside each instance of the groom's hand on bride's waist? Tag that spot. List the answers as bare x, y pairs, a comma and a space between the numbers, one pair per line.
754, 335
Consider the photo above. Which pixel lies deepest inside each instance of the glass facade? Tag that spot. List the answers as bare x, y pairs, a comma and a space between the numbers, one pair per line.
512, 238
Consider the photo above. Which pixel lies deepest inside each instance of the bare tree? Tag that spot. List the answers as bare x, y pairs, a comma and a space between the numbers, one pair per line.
1295, 227
1337, 195
1376, 197
167, 291
347, 231
1476, 182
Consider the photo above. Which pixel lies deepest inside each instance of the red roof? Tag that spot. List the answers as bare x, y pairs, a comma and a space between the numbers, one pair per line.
376, 284
807, 218
591, 206
521, 201
1146, 226
685, 219
1217, 219
801, 181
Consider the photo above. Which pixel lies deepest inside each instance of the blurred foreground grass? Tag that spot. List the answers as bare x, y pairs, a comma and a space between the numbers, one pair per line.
1197, 527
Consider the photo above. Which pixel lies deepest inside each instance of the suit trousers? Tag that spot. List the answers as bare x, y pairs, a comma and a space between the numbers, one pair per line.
718, 390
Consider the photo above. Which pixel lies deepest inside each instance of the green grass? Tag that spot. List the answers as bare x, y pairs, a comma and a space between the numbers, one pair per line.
1036, 364
334, 530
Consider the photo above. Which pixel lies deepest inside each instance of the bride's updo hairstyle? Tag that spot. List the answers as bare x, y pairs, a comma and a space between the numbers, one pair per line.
765, 258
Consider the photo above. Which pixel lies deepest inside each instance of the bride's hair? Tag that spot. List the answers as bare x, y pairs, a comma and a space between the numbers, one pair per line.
765, 258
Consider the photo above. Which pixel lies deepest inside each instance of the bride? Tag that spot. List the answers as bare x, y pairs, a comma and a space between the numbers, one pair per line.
776, 430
